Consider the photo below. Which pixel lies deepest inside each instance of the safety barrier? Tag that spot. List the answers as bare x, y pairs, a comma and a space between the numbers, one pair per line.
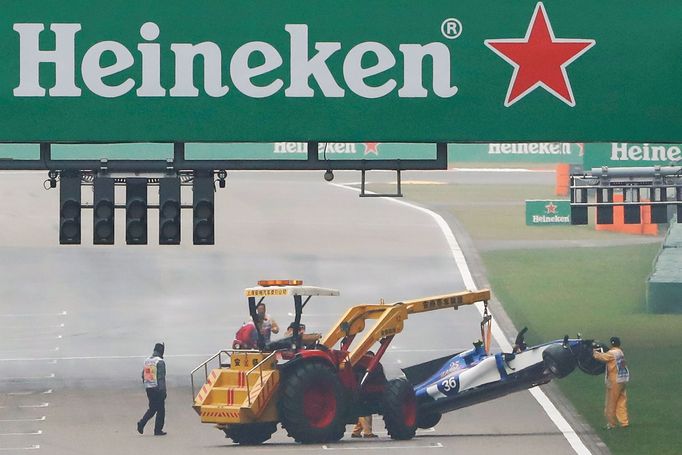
664, 285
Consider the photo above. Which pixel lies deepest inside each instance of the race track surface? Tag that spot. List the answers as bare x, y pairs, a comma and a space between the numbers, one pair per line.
76, 322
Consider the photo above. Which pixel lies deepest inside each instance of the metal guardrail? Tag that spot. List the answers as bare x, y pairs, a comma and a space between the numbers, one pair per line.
204, 366
228, 353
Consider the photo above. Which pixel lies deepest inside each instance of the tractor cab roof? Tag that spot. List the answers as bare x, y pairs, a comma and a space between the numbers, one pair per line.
284, 290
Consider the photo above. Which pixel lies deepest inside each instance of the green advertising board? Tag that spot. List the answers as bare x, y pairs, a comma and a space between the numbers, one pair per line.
235, 151
546, 213
544, 152
624, 154
342, 71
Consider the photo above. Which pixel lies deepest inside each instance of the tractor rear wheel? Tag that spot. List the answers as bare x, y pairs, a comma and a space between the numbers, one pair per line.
311, 405
400, 409
250, 433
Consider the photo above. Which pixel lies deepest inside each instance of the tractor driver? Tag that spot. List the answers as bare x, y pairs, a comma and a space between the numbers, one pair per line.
306, 338
269, 325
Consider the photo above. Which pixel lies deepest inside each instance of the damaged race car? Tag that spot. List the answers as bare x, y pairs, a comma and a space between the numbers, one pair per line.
474, 376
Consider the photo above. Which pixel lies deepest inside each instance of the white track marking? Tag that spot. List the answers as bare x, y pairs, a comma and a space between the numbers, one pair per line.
27, 406
435, 445
24, 420
24, 378
29, 433
32, 327
28, 392
501, 170
33, 447
456, 251
419, 430
100, 357
30, 315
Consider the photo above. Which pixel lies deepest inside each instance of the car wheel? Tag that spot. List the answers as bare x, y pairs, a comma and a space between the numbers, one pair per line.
588, 364
425, 421
559, 360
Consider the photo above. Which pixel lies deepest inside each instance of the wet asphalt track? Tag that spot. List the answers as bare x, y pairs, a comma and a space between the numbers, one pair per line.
76, 322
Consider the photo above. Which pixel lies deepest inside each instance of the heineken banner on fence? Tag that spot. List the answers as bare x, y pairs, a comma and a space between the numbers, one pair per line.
299, 151
544, 152
237, 151
540, 213
624, 154
342, 71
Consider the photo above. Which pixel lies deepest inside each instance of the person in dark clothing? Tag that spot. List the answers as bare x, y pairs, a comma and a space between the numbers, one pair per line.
154, 380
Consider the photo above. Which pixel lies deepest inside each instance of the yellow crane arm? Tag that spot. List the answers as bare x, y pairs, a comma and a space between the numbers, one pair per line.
390, 318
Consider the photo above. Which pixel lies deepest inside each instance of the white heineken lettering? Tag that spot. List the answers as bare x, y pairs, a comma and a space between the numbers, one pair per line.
302, 67
540, 148
551, 219
242, 73
322, 147
289, 147
184, 69
645, 152
30, 57
146, 64
355, 74
412, 82
93, 73
151, 62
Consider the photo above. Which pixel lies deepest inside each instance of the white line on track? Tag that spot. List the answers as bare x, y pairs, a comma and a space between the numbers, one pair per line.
28, 392
419, 431
456, 251
30, 315
28, 433
28, 348
100, 357
27, 406
25, 378
31, 327
25, 420
435, 445
33, 447
500, 170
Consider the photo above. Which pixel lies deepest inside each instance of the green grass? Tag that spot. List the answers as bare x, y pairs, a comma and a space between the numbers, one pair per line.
599, 292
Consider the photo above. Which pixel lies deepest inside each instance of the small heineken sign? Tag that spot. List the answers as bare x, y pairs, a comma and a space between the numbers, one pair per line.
542, 213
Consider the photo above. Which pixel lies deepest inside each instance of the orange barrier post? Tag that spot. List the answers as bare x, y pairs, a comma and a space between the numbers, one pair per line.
643, 228
563, 178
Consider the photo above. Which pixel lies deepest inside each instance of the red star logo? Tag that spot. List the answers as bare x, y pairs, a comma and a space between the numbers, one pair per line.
371, 147
539, 59
551, 208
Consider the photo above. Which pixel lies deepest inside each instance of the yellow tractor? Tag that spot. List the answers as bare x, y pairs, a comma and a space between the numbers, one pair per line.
314, 387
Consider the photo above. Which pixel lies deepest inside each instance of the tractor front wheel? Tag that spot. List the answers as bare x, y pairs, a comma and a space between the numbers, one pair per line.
400, 409
250, 433
311, 405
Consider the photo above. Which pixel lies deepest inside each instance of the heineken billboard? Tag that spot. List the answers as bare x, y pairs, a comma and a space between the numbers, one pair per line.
624, 154
349, 71
543, 213
543, 152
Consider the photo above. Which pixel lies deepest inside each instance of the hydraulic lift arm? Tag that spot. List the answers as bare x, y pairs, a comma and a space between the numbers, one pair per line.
390, 319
